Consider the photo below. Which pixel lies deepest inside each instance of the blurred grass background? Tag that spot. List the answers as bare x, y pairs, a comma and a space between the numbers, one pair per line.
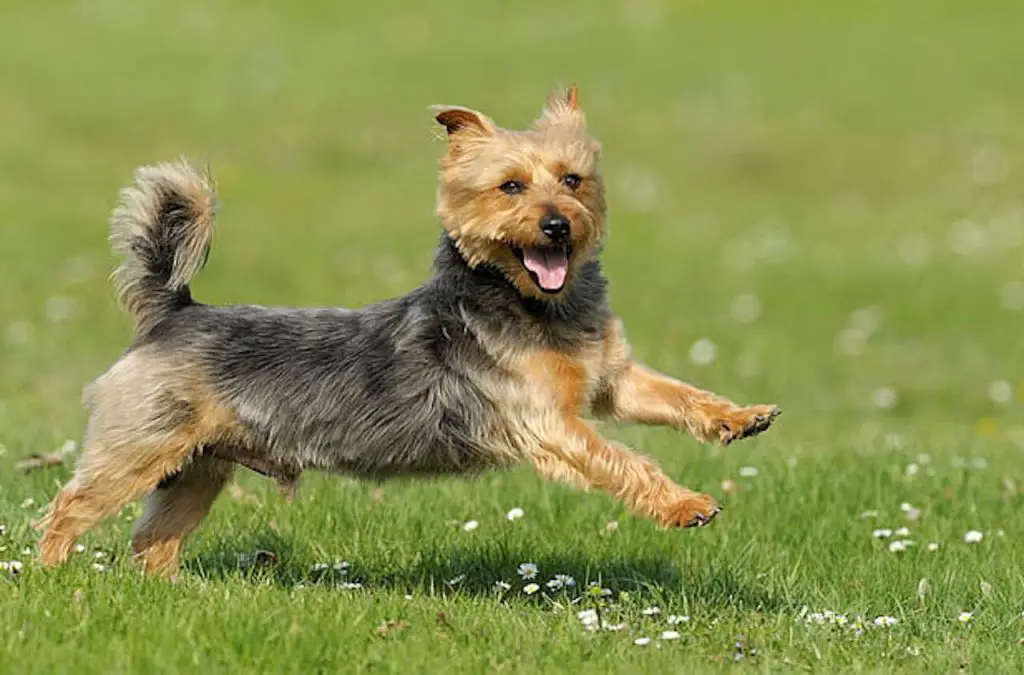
828, 193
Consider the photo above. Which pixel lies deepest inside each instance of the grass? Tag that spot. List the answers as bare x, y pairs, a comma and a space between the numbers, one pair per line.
823, 157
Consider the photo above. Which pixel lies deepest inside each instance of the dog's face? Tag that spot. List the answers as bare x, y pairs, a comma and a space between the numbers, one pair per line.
529, 203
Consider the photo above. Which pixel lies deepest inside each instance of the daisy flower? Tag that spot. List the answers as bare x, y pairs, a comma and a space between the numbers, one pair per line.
561, 581
670, 635
470, 525
587, 617
900, 545
886, 621
515, 514
11, 566
502, 586
642, 641
881, 533
965, 617
651, 611
527, 570
676, 619
973, 536
530, 589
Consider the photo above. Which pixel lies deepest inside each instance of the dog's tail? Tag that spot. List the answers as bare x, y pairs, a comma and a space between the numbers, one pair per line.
162, 228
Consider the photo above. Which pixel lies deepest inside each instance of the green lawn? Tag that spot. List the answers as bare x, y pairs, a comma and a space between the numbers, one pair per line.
831, 193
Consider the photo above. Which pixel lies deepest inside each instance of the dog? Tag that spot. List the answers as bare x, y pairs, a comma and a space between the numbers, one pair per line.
491, 363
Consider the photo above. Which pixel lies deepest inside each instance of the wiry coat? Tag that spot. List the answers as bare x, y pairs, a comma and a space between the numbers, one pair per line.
493, 361
404, 386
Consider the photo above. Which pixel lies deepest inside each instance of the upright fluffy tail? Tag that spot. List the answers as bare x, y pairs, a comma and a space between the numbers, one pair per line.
162, 228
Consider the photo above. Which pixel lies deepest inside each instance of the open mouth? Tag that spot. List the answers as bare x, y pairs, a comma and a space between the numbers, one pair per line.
548, 266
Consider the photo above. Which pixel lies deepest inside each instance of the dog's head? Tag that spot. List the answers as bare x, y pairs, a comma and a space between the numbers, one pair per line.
528, 203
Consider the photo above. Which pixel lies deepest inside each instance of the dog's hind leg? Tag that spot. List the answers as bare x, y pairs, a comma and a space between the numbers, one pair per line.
149, 416
174, 510
108, 476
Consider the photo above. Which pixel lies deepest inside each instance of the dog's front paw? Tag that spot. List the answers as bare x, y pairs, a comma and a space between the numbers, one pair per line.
693, 510
740, 423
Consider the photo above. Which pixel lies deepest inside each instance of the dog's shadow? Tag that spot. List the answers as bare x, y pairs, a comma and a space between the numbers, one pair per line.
446, 571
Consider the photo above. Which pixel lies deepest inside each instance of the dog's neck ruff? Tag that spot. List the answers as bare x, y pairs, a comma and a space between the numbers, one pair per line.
580, 312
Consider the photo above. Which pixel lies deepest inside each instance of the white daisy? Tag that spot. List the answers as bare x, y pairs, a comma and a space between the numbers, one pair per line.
651, 611
502, 586
560, 581
642, 641
873, 513
527, 570
882, 533
933, 546
530, 589
965, 617
670, 635
748, 471
470, 525
973, 536
676, 619
79, 548
11, 566
351, 585
899, 545
515, 514
886, 621
99, 567
902, 532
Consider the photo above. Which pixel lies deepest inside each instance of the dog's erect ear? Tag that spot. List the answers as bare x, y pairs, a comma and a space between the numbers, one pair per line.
563, 107
458, 120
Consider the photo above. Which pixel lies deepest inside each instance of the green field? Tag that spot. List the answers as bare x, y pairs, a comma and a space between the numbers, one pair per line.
831, 193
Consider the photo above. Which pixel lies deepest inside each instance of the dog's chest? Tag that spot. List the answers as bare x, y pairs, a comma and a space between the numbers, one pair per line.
567, 380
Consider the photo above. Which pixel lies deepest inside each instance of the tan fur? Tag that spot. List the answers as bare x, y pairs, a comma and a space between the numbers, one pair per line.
139, 291
635, 393
173, 512
155, 413
149, 414
484, 222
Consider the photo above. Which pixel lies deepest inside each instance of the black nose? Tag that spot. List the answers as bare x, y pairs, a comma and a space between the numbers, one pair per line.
555, 225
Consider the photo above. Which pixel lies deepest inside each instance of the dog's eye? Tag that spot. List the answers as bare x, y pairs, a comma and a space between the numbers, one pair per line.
512, 187
571, 180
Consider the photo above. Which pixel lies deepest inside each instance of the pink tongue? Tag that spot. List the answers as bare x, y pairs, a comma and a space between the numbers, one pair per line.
550, 266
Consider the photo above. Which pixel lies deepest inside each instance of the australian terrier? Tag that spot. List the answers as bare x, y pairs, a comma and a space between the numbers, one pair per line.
492, 362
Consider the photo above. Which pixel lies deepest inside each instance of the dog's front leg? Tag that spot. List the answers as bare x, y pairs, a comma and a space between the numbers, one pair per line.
639, 394
570, 450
